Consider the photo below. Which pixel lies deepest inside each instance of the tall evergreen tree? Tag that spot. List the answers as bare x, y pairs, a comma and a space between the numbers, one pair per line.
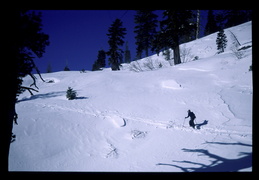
96, 66
127, 55
23, 40
116, 36
176, 25
211, 25
221, 41
101, 58
100, 62
145, 30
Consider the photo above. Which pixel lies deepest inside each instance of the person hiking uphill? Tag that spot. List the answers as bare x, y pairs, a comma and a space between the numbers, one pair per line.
192, 117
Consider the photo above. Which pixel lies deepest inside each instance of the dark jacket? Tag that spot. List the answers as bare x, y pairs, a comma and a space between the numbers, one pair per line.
191, 115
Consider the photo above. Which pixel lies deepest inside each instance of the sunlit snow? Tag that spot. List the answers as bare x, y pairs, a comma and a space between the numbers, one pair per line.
133, 120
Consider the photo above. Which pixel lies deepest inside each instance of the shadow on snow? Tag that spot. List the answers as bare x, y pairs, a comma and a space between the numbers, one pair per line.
198, 126
48, 95
218, 164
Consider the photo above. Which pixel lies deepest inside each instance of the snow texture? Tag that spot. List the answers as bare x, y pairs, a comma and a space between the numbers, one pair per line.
133, 120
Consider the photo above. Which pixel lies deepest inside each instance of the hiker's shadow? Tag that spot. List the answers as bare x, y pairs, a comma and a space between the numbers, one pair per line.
198, 126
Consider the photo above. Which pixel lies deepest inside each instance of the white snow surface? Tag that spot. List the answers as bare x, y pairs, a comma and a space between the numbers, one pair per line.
134, 121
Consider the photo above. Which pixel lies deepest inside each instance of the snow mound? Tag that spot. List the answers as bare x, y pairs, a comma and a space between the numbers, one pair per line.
117, 121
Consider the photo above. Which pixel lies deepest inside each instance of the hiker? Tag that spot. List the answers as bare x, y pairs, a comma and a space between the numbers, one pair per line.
192, 116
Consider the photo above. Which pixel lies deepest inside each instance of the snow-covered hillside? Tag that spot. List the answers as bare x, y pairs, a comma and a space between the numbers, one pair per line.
134, 120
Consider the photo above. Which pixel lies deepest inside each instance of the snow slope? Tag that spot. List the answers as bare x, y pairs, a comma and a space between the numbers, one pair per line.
134, 121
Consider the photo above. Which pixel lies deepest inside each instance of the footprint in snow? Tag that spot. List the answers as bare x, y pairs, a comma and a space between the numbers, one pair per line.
113, 152
138, 134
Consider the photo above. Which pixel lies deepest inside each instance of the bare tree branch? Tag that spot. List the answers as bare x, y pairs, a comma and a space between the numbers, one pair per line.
37, 70
235, 38
34, 80
29, 89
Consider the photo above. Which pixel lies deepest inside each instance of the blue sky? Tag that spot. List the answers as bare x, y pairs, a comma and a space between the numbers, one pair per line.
76, 36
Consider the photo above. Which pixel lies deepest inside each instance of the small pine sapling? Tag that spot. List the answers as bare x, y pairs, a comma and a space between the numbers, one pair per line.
221, 41
71, 94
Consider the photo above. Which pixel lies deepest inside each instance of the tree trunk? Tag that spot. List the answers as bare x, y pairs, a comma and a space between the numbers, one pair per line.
7, 117
198, 24
146, 50
6, 133
176, 49
177, 58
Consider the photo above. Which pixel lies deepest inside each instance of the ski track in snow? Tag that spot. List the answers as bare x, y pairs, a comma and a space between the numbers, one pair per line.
119, 120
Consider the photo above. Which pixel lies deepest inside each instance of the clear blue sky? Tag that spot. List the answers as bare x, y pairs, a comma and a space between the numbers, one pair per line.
76, 36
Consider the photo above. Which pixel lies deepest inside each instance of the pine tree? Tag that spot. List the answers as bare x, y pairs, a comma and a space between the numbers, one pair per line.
66, 68
100, 62
221, 41
96, 66
127, 55
71, 94
211, 25
145, 30
176, 25
116, 35
101, 58
22, 41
